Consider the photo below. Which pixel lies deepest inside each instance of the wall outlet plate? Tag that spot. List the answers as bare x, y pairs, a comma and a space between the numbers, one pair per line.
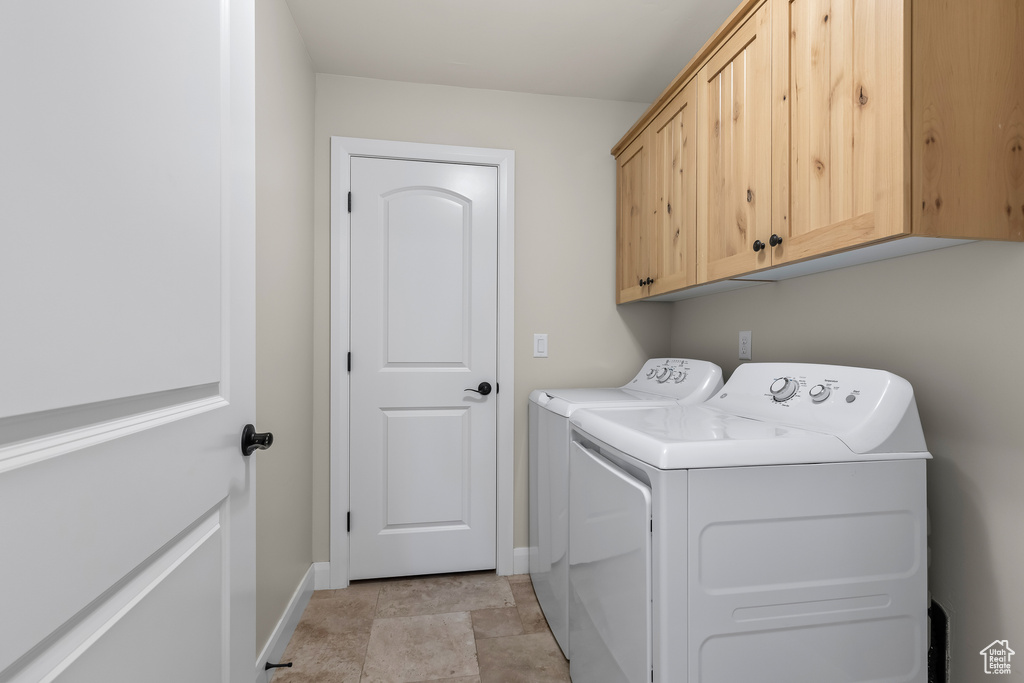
745, 345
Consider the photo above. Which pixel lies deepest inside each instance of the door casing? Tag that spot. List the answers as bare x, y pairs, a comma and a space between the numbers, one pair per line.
342, 151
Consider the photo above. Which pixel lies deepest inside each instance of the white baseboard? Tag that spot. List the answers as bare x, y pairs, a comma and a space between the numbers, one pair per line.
321, 576
282, 633
521, 560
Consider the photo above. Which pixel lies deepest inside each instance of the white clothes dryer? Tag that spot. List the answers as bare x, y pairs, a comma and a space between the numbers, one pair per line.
661, 381
775, 533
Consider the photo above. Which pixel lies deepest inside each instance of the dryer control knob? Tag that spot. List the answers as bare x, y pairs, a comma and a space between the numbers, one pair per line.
663, 374
783, 389
651, 373
678, 376
819, 392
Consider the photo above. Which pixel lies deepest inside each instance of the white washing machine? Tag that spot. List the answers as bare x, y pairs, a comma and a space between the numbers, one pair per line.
661, 381
774, 534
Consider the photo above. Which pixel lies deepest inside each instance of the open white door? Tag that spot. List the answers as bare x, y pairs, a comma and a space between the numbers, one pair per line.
126, 341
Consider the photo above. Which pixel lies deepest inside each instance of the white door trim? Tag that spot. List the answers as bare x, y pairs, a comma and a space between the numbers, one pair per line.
342, 150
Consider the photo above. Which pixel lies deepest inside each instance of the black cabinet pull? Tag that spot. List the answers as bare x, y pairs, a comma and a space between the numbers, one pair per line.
251, 440
758, 245
649, 281
483, 388
775, 240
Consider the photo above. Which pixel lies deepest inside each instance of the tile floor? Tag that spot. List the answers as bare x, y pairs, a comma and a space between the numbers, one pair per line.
459, 628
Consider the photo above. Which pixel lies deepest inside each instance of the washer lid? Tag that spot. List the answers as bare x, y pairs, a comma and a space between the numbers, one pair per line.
690, 437
565, 402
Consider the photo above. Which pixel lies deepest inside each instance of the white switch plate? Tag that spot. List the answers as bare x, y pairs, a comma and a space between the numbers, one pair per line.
745, 345
540, 346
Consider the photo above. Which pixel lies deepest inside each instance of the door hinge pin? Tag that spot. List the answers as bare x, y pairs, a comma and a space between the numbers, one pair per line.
350, 202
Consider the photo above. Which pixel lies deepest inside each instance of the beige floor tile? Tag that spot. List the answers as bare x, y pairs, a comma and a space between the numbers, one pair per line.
460, 679
518, 578
530, 613
417, 648
318, 656
444, 594
343, 610
494, 623
529, 658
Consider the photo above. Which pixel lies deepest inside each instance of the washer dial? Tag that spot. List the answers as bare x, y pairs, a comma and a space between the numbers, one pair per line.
819, 393
783, 389
663, 374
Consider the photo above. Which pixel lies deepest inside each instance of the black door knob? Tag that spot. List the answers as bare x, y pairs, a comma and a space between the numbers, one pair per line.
758, 245
483, 388
775, 240
252, 440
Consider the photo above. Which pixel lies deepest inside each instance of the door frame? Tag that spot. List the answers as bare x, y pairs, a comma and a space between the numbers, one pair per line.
342, 151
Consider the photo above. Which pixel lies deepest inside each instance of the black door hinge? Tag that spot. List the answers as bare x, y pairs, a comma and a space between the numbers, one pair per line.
348, 521
350, 202
497, 388
350, 361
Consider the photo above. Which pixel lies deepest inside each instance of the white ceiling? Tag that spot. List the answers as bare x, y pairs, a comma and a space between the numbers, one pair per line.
609, 49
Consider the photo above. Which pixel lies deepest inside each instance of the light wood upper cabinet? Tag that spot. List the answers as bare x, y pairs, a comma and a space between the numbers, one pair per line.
674, 179
840, 157
634, 243
734, 153
821, 127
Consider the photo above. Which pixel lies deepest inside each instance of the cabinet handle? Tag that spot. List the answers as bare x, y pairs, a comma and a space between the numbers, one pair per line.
758, 245
775, 240
649, 281
641, 282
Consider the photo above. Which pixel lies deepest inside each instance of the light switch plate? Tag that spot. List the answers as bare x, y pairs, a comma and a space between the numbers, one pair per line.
540, 346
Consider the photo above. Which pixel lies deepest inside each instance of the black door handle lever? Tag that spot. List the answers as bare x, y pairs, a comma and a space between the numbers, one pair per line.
251, 440
483, 389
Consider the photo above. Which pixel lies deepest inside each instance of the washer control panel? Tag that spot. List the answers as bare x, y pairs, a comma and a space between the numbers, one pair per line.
677, 377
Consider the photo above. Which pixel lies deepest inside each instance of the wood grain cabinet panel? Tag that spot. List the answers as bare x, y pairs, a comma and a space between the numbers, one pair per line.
634, 242
968, 119
838, 148
674, 177
734, 153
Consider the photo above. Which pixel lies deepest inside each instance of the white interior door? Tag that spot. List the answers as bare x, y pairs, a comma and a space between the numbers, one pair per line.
126, 352
423, 331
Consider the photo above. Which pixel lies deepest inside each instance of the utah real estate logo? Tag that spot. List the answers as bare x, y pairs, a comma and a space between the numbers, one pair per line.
997, 657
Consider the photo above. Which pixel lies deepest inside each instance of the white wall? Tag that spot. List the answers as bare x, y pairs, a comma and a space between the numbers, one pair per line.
284, 310
952, 323
565, 238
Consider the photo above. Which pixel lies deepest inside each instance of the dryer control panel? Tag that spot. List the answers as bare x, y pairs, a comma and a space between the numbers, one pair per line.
676, 377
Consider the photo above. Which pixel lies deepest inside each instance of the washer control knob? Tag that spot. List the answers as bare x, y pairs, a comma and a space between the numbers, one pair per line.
663, 374
783, 389
678, 376
819, 392
651, 373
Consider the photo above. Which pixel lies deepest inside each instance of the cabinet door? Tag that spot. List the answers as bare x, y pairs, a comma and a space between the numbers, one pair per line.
839, 151
633, 248
734, 153
674, 179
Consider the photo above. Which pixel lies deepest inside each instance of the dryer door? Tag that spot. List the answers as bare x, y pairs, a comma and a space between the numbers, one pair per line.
609, 572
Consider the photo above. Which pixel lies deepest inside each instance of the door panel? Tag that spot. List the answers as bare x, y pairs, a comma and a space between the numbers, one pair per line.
838, 125
634, 220
609, 571
675, 192
734, 157
424, 320
127, 372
